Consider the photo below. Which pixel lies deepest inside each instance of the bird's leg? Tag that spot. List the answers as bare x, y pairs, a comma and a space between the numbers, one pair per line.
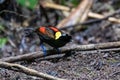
58, 50
43, 48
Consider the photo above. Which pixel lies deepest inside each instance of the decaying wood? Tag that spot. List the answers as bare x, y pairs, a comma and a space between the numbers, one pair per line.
99, 46
23, 69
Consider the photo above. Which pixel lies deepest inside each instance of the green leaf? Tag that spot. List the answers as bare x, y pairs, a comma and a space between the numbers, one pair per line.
1, 27
75, 2
3, 41
31, 4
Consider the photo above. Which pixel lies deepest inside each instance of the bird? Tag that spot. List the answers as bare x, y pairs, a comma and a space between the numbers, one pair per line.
53, 37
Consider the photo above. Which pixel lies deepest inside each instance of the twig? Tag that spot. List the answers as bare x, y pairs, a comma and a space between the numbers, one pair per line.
78, 15
30, 56
109, 17
99, 16
90, 14
47, 4
23, 69
57, 57
7, 11
115, 73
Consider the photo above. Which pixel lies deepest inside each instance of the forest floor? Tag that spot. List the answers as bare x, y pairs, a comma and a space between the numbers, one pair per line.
79, 66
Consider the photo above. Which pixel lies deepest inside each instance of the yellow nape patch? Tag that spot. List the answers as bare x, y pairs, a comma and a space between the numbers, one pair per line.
57, 35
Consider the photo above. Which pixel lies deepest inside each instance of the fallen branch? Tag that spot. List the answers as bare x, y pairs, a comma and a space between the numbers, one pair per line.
99, 16
78, 15
90, 14
30, 56
32, 72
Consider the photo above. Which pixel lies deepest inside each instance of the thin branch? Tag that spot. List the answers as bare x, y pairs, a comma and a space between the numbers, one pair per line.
23, 69
27, 57
90, 14
99, 46
7, 11
57, 57
78, 15
101, 18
